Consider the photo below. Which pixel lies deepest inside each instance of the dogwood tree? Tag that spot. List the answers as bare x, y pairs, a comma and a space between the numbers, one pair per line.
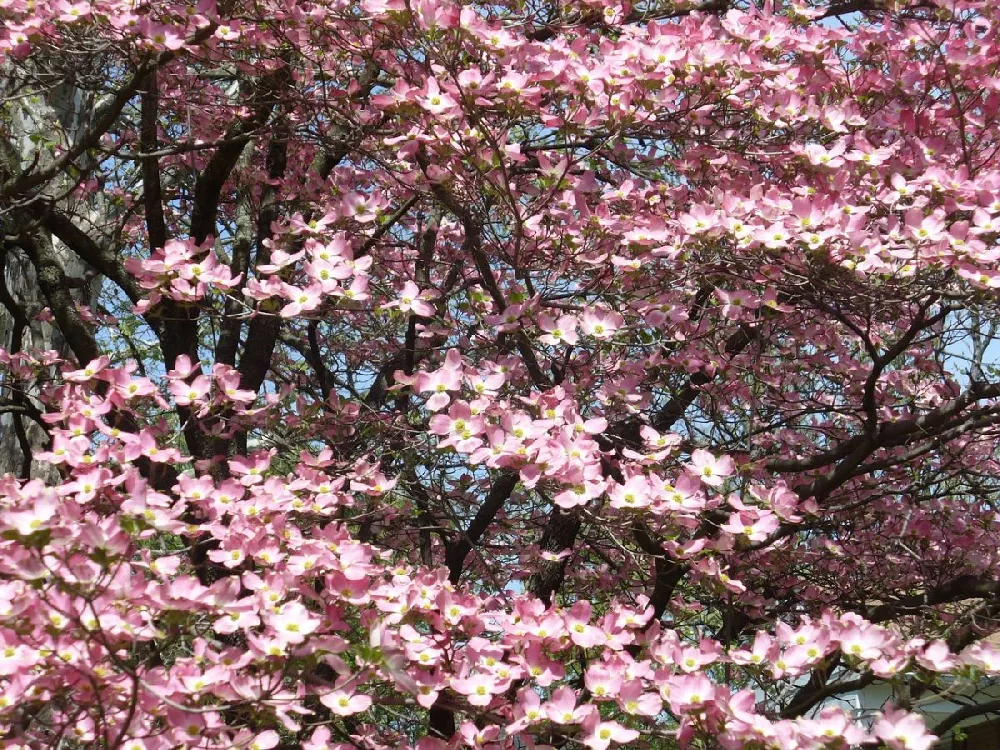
409, 373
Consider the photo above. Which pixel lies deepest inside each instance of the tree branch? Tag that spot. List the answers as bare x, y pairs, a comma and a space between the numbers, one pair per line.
459, 549
967, 712
103, 119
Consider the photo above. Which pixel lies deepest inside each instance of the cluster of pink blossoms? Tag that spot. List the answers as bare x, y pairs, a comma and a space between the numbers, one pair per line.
88, 584
497, 375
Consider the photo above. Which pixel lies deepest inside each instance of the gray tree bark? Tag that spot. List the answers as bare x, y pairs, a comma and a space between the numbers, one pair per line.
57, 115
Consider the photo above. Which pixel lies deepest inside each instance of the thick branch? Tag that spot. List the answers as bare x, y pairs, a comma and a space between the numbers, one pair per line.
263, 331
208, 188
98, 256
560, 535
674, 409
811, 694
893, 434
55, 287
501, 490
152, 194
963, 587
967, 712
